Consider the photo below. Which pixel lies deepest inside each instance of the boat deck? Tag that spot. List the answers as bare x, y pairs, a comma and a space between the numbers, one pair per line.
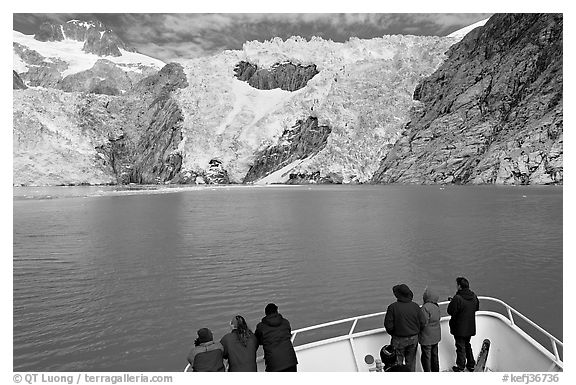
512, 349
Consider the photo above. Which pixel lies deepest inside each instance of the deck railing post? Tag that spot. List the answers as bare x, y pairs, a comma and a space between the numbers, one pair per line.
353, 326
510, 315
555, 349
293, 337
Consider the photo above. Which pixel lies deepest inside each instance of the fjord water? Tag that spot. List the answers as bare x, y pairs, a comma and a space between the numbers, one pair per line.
121, 282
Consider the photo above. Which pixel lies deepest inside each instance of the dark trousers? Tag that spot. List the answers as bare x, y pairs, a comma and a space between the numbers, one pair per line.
407, 356
429, 358
290, 369
464, 355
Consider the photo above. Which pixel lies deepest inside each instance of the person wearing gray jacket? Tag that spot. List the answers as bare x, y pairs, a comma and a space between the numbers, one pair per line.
431, 334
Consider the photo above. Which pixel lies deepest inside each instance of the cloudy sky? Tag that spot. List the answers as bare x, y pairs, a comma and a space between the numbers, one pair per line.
187, 35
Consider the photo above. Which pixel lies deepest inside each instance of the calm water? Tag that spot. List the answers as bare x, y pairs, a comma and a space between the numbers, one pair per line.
121, 281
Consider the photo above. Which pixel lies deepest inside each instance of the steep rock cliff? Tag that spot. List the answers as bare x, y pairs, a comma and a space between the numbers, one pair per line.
304, 139
492, 113
79, 138
286, 76
143, 148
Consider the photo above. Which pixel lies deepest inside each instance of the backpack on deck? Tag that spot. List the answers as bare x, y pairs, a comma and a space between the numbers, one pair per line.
388, 357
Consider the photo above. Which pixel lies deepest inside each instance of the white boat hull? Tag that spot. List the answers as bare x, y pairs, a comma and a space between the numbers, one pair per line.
510, 350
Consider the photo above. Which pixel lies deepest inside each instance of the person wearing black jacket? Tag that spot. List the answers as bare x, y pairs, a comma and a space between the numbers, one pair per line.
274, 334
403, 321
462, 309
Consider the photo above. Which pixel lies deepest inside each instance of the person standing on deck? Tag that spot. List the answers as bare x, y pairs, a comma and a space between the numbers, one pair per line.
274, 334
462, 309
206, 355
431, 335
240, 346
403, 321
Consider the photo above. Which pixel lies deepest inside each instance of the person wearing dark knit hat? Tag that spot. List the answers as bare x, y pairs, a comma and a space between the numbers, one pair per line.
275, 336
404, 321
206, 355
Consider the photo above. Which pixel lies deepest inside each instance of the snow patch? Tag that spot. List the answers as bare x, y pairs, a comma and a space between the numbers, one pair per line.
84, 24
459, 34
282, 175
70, 51
18, 64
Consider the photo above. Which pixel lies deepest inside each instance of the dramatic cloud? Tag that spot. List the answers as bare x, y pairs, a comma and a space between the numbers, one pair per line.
181, 36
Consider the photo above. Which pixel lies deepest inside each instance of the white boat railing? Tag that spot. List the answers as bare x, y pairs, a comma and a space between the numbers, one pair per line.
510, 312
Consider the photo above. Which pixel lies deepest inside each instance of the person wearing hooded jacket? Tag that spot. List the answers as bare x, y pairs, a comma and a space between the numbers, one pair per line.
431, 334
404, 321
275, 336
462, 309
206, 355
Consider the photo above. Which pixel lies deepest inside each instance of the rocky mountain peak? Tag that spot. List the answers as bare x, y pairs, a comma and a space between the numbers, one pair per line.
97, 37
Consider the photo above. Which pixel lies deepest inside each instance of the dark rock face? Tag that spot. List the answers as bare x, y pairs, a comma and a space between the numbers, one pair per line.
168, 79
105, 77
306, 138
17, 83
28, 55
314, 178
102, 43
492, 113
143, 147
216, 174
49, 32
286, 76
97, 37
44, 75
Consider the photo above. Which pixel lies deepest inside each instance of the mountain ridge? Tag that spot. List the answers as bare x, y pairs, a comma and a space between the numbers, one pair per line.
55, 55
492, 113
300, 111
